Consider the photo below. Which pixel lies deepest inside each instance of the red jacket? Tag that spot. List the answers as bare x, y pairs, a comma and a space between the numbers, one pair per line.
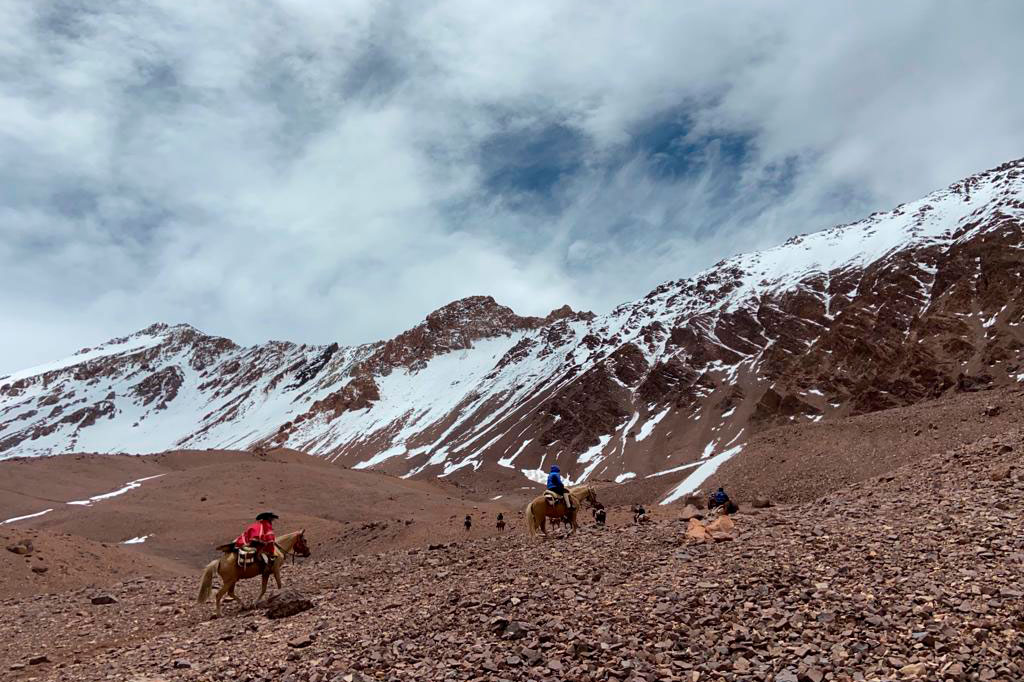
262, 531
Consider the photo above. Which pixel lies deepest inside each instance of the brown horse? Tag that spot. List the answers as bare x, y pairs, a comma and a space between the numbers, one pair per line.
538, 511
227, 568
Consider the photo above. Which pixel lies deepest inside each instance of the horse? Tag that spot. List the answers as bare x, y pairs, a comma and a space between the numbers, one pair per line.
538, 511
227, 567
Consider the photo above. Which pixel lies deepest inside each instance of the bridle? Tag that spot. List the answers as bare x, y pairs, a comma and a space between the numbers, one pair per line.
301, 539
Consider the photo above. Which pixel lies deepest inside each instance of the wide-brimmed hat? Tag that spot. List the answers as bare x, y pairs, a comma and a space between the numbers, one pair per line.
267, 516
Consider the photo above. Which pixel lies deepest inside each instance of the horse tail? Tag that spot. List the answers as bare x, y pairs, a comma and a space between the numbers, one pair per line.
207, 585
531, 520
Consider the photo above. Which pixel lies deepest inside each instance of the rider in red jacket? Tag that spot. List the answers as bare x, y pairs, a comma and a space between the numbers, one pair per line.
260, 535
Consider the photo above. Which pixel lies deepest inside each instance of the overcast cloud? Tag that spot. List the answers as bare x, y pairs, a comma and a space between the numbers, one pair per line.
326, 171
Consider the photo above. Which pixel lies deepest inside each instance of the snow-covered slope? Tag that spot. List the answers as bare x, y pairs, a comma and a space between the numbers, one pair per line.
897, 308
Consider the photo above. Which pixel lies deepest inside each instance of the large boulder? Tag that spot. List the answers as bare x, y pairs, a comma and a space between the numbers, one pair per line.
723, 524
761, 503
696, 531
286, 604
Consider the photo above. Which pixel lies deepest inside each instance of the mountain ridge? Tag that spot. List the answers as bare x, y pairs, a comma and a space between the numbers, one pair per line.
903, 306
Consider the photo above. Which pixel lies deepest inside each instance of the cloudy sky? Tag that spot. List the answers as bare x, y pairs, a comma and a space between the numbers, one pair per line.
321, 171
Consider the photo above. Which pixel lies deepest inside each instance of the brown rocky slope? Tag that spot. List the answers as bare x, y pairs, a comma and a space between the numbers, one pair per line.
913, 576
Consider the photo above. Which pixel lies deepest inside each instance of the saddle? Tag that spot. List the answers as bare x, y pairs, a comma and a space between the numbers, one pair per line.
245, 556
553, 499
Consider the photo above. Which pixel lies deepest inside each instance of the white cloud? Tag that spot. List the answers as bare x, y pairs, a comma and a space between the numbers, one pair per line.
316, 171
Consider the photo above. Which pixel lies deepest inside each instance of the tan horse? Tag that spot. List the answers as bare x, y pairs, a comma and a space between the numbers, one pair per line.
539, 511
227, 568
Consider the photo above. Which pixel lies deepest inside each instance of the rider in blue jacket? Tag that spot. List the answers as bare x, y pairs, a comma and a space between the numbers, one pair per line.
555, 485
718, 498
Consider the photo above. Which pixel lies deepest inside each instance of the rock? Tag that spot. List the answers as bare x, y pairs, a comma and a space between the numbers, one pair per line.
993, 410
17, 666
498, 624
1000, 474
723, 524
691, 512
515, 630
286, 604
38, 660
300, 642
761, 503
20, 547
914, 670
696, 531
101, 599
40, 568
182, 664
695, 500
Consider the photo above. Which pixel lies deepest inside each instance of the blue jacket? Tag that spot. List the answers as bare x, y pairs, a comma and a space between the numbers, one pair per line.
721, 497
555, 482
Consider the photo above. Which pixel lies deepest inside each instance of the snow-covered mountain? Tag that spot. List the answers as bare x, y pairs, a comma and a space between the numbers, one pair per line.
895, 309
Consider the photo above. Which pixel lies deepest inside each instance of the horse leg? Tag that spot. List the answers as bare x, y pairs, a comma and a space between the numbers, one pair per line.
263, 590
277, 575
225, 588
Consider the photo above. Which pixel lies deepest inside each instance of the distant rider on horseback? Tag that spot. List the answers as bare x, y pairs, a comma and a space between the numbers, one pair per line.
718, 499
261, 536
555, 485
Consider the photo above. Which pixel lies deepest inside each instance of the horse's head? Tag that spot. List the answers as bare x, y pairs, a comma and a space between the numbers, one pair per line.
588, 495
301, 548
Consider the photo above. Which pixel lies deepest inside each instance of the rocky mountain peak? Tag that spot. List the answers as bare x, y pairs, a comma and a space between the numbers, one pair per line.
900, 307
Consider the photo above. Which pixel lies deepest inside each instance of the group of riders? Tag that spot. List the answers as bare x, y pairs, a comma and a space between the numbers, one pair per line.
259, 537
258, 542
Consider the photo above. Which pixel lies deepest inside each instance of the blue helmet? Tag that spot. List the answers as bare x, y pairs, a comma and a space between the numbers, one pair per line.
555, 469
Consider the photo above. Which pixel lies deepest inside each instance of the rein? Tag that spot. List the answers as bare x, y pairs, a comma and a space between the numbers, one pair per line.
284, 552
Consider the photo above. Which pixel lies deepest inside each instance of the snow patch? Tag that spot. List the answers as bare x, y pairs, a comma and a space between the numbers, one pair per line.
622, 478
136, 541
701, 474
27, 516
381, 456
648, 427
130, 485
673, 470
507, 461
